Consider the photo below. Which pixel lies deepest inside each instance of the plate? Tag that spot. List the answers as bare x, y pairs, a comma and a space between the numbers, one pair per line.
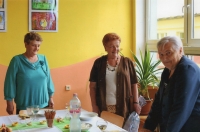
85, 126
42, 111
87, 116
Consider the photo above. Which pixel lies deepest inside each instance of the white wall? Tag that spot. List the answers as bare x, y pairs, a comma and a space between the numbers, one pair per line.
140, 25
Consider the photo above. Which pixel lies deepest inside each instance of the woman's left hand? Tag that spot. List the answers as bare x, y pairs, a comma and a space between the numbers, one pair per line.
136, 108
51, 102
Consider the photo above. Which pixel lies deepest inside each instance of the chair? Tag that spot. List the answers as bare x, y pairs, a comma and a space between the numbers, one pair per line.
113, 118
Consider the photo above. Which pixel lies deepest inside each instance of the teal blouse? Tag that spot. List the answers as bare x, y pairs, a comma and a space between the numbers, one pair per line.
28, 83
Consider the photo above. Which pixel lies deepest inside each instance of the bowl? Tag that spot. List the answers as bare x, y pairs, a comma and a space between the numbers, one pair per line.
85, 126
87, 116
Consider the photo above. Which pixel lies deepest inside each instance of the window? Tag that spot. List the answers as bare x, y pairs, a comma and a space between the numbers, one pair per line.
174, 17
195, 58
161, 35
196, 16
180, 34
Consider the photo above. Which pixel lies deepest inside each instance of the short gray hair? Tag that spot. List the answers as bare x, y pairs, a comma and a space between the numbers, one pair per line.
176, 42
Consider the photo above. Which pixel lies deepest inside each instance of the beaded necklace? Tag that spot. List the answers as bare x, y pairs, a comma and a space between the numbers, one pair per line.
114, 66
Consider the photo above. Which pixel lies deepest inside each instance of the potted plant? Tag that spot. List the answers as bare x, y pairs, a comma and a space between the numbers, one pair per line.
146, 70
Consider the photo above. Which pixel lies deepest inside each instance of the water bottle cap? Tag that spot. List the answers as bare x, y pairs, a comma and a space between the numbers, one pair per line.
75, 94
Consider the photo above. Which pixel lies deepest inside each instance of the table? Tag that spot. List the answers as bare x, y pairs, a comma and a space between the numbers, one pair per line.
59, 113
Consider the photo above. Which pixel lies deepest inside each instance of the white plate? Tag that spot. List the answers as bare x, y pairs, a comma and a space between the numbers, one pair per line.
42, 111
85, 116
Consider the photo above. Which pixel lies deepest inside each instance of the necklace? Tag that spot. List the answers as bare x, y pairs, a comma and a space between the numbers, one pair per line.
114, 66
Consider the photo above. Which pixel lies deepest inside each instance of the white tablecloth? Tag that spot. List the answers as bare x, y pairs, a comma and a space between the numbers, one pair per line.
61, 113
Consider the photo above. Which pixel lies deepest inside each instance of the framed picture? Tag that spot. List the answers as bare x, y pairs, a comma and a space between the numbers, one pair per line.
43, 21
3, 16
43, 15
44, 5
2, 20
2, 4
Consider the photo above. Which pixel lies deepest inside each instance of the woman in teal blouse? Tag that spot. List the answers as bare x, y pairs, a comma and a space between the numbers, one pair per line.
28, 80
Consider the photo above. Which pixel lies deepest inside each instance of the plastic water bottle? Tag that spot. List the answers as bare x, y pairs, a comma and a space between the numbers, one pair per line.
75, 105
75, 111
75, 124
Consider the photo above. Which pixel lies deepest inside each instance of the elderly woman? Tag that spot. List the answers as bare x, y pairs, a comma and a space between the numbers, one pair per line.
113, 81
28, 80
176, 107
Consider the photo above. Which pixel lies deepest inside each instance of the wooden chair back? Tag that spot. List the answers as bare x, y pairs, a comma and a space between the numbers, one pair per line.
112, 118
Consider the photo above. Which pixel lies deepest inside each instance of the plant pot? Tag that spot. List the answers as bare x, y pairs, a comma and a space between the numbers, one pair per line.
152, 91
145, 109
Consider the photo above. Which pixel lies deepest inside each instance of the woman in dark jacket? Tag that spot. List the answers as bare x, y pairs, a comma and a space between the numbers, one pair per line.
176, 107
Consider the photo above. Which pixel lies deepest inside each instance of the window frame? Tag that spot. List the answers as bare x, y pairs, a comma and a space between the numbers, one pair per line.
191, 46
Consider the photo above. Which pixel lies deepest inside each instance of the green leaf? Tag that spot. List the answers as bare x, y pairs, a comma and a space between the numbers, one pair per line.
146, 70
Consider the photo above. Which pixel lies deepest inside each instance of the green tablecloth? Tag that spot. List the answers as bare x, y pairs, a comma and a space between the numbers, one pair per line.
21, 126
59, 125
62, 124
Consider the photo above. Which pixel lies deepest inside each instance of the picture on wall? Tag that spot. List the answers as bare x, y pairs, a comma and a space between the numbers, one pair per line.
2, 20
43, 21
3, 16
43, 15
1, 3
44, 5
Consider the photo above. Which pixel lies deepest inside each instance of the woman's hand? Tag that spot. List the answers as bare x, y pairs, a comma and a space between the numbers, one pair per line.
134, 105
51, 103
136, 108
95, 108
10, 107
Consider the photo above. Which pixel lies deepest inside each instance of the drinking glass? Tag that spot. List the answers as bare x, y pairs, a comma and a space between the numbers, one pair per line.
35, 110
68, 116
23, 122
29, 111
67, 106
102, 124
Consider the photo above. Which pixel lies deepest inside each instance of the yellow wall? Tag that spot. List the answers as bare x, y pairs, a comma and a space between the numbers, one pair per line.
72, 50
82, 24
